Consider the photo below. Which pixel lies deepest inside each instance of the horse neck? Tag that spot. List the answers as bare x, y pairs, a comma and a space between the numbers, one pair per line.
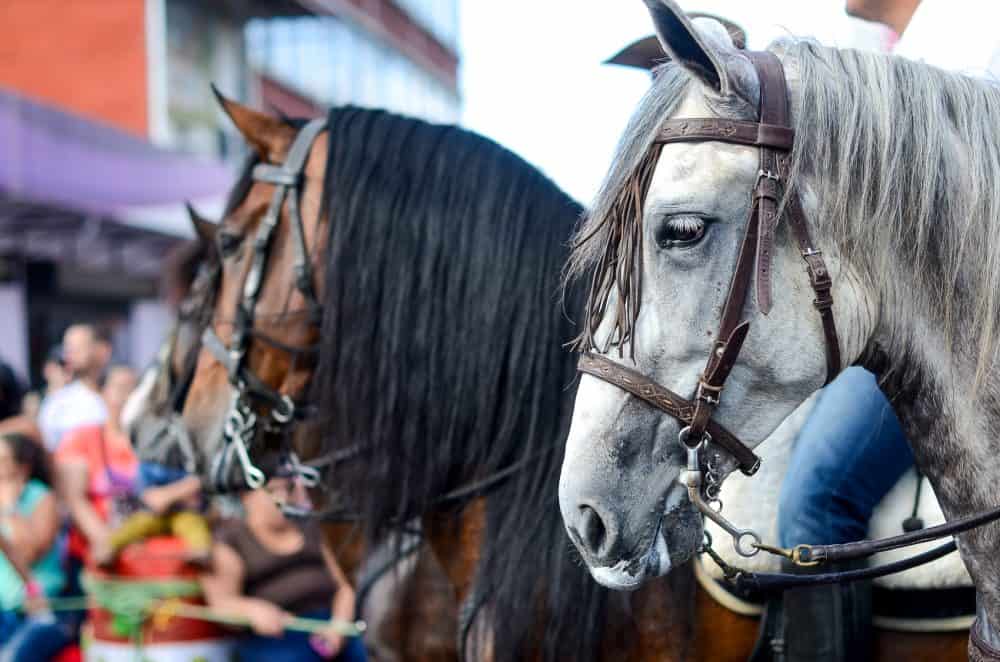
951, 425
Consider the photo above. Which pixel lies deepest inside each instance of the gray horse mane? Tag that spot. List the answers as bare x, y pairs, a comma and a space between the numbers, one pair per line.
904, 162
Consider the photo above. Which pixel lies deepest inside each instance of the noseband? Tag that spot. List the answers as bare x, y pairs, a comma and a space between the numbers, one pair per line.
241, 426
775, 139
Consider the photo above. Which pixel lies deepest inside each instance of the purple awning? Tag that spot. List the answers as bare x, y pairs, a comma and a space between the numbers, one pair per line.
54, 157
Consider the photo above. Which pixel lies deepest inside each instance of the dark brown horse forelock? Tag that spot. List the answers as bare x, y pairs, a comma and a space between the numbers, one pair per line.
619, 268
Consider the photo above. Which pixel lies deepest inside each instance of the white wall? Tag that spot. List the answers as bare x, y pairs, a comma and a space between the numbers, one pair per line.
14, 328
149, 322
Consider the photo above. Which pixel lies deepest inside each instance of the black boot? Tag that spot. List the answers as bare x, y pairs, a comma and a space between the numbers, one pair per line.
830, 623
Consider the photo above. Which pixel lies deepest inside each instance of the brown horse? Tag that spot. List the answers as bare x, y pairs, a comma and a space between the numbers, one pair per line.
522, 594
400, 626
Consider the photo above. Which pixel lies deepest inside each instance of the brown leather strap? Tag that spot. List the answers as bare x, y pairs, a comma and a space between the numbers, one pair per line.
738, 132
666, 401
773, 110
773, 135
819, 279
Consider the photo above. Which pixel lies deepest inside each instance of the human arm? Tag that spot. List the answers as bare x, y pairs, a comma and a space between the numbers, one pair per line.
34, 535
16, 559
160, 499
223, 588
343, 599
34, 597
73, 480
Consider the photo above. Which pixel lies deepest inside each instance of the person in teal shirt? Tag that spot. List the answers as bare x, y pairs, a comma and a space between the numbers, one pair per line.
29, 524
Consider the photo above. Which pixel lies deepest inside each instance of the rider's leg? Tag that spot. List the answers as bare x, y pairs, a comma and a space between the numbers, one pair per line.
848, 455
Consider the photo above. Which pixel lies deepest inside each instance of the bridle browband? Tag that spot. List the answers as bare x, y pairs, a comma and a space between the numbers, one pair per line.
773, 136
241, 427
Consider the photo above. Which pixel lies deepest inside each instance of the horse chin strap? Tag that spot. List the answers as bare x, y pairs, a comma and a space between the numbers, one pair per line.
775, 138
241, 428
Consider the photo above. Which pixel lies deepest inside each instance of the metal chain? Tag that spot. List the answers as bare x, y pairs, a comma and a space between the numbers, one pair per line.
713, 481
239, 433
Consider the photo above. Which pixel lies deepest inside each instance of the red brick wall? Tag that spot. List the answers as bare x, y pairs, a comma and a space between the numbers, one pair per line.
85, 56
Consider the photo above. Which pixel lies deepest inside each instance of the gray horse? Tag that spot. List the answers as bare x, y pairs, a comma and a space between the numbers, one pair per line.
896, 164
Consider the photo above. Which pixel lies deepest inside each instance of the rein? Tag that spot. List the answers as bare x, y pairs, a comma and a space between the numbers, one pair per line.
772, 192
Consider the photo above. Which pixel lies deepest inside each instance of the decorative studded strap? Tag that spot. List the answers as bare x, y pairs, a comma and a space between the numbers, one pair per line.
666, 401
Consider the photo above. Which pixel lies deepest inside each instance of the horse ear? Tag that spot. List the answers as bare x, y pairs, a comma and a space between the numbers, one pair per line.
203, 228
687, 46
268, 136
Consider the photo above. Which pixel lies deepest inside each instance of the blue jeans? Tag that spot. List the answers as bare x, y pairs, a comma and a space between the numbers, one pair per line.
848, 455
295, 646
153, 474
30, 640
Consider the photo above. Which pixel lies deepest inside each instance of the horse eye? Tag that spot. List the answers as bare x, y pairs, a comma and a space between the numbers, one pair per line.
229, 243
681, 231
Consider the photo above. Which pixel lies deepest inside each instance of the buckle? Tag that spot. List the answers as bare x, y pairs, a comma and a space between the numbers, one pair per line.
824, 304
707, 393
819, 275
766, 174
802, 556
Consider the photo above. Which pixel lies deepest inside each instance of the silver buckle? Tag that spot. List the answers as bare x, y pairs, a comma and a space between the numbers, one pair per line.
766, 174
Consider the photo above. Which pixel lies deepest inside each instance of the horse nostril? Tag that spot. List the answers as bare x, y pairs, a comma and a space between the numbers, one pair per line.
593, 533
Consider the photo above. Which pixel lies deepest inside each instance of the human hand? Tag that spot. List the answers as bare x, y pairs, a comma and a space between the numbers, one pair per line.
101, 552
157, 500
328, 644
35, 602
267, 619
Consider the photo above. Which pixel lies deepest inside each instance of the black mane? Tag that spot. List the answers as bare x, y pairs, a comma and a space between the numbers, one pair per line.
445, 356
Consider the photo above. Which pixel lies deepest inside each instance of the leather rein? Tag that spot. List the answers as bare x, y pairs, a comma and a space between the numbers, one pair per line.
774, 138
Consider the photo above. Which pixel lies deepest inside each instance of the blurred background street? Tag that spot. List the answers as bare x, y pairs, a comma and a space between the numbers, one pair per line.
108, 123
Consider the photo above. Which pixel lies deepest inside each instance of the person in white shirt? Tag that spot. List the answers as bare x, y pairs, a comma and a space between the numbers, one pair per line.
86, 353
958, 35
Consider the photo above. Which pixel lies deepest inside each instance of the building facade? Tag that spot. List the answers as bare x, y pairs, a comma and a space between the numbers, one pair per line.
126, 86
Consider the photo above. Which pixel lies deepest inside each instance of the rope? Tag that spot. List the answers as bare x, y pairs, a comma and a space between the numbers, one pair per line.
130, 602
170, 608
134, 603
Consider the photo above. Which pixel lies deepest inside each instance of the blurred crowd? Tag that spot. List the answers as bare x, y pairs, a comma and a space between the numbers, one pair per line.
73, 495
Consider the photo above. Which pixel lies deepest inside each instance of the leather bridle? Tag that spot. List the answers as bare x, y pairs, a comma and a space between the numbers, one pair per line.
242, 421
773, 136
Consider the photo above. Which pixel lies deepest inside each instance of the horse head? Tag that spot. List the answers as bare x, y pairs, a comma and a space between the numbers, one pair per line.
256, 354
150, 416
662, 244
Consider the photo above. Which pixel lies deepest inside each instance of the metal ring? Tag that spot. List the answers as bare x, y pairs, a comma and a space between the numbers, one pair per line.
738, 544
284, 413
683, 435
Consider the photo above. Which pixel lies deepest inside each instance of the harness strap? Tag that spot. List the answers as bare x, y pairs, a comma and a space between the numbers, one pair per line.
782, 581
740, 132
819, 277
668, 402
815, 554
253, 385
